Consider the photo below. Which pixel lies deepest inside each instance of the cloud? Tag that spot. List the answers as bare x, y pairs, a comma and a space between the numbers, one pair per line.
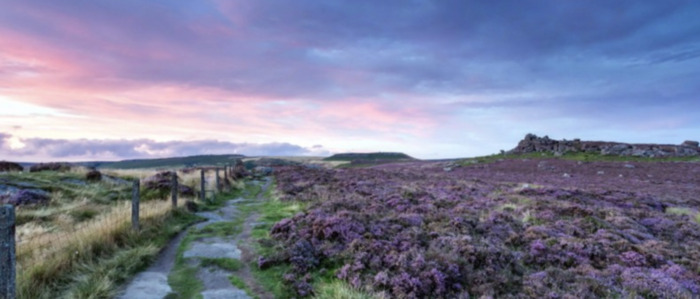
411, 75
336, 49
42, 149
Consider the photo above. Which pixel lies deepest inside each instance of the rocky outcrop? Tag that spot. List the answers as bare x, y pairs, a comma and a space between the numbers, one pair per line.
239, 171
6, 166
52, 166
532, 143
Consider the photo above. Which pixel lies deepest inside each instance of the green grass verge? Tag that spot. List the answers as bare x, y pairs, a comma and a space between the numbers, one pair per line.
239, 283
223, 263
340, 290
99, 272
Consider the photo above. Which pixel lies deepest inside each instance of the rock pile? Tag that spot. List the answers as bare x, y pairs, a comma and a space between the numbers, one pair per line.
93, 176
6, 166
532, 143
162, 181
25, 197
239, 170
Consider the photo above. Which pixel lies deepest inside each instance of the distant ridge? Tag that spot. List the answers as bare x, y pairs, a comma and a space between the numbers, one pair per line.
187, 161
376, 156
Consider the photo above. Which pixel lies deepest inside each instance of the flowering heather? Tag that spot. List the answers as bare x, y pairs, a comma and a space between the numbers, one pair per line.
538, 228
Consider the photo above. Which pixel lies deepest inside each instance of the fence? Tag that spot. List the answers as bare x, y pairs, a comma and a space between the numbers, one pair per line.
19, 253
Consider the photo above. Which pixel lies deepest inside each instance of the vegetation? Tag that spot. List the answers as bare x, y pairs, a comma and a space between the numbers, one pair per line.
98, 256
518, 228
269, 209
79, 243
177, 162
183, 276
379, 156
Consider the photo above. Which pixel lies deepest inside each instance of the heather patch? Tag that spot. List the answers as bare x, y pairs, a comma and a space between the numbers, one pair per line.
414, 230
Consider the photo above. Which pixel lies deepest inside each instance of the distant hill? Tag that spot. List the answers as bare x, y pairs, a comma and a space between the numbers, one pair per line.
166, 162
379, 156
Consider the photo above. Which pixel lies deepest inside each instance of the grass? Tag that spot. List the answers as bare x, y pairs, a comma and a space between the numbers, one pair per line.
93, 261
341, 290
239, 283
684, 211
223, 263
81, 244
183, 279
100, 279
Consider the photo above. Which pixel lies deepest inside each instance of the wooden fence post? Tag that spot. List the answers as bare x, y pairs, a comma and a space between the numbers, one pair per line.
218, 182
135, 197
7, 252
174, 188
204, 195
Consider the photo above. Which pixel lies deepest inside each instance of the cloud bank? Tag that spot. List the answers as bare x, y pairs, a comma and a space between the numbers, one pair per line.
32, 149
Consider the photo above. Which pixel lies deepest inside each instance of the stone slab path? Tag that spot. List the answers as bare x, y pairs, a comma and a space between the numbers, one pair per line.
153, 282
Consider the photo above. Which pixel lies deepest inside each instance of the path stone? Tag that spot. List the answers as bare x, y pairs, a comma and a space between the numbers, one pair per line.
217, 284
148, 285
225, 294
213, 248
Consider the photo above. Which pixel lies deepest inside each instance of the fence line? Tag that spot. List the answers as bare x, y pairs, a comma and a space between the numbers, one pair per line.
51, 244
135, 198
7, 252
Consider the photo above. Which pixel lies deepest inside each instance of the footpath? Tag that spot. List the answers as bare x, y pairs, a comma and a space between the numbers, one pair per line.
215, 252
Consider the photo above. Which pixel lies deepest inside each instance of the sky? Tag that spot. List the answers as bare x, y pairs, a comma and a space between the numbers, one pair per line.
112, 80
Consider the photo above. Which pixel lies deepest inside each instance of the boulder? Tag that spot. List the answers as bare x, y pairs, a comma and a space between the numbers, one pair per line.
618, 149
239, 171
93, 176
185, 190
162, 181
191, 206
6, 166
26, 197
52, 166
690, 143
159, 181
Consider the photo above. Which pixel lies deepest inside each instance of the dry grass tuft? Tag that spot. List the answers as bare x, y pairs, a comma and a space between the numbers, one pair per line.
46, 255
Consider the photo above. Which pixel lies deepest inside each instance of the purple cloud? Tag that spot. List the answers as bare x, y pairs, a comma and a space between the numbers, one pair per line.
92, 149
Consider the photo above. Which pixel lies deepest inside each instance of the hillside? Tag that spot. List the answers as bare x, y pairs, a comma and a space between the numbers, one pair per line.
376, 156
166, 162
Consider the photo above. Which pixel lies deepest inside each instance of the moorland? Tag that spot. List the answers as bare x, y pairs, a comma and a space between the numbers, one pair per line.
594, 220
